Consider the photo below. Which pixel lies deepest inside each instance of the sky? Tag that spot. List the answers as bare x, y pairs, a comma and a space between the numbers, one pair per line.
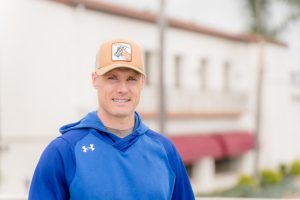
225, 15
211, 13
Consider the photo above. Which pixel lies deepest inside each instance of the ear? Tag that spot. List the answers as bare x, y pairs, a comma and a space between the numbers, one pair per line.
94, 80
143, 80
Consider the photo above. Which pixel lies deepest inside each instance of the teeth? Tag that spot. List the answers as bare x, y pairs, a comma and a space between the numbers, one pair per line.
120, 100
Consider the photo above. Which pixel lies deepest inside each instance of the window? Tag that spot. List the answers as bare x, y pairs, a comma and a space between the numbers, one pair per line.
189, 169
147, 57
226, 76
202, 74
225, 165
295, 78
177, 71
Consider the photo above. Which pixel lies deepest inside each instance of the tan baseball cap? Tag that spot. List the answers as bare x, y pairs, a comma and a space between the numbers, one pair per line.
119, 53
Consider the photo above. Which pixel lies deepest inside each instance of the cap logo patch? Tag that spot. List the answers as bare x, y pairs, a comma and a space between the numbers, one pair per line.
121, 52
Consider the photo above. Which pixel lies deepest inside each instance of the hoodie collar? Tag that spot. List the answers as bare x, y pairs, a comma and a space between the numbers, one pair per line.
91, 121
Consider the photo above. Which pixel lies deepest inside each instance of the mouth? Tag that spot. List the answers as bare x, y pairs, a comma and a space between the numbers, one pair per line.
120, 100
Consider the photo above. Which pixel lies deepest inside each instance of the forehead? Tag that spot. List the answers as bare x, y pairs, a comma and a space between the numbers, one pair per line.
122, 71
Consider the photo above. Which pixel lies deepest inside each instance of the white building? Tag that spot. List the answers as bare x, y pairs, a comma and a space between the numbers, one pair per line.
47, 54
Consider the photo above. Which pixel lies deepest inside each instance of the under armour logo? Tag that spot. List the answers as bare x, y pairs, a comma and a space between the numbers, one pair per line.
91, 148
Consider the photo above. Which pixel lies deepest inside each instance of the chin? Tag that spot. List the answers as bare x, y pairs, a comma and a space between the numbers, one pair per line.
122, 114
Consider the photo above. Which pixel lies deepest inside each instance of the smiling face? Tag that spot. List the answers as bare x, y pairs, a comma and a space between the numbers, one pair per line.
118, 92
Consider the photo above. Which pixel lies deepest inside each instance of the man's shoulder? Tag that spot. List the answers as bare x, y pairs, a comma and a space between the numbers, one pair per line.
166, 142
64, 143
156, 135
169, 148
73, 136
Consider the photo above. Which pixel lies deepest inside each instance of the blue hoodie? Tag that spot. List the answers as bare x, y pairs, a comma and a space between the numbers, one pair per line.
87, 162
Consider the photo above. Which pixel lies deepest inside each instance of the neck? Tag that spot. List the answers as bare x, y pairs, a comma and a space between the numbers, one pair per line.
120, 123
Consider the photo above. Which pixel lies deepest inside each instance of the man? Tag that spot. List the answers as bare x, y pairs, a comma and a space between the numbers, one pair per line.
110, 154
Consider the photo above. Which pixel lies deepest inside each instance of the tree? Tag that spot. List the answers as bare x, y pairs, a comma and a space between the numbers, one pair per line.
260, 15
260, 12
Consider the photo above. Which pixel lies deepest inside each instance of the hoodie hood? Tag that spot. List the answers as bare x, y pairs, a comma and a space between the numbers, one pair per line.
95, 126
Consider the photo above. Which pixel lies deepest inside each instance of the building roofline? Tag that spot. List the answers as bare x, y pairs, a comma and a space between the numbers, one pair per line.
171, 22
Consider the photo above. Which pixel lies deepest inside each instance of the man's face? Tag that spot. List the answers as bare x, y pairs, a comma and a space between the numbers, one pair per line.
118, 92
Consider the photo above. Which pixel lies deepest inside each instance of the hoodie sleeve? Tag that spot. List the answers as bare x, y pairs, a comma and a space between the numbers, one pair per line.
54, 172
182, 189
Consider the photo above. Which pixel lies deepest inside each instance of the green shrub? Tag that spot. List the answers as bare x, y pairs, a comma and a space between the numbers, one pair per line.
246, 180
270, 177
295, 168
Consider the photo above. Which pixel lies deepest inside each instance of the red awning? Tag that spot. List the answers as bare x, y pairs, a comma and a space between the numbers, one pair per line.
235, 144
196, 146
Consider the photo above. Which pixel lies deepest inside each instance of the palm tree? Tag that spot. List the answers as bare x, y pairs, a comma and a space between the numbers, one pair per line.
259, 14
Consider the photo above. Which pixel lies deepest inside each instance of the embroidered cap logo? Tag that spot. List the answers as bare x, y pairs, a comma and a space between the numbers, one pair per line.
121, 52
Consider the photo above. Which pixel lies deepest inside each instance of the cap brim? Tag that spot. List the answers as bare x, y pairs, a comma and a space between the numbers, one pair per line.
104, 70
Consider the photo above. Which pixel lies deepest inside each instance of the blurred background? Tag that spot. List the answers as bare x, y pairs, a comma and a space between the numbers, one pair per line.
223, 84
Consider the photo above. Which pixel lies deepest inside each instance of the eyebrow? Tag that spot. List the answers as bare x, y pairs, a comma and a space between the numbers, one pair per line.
135, 74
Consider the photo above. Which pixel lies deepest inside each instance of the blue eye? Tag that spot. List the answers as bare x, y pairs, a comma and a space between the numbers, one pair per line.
132, 79
111, 78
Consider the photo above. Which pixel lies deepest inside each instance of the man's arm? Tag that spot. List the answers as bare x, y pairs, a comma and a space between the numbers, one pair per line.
182, 188
50, 180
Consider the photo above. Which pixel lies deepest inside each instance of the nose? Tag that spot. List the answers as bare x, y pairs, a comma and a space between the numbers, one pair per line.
122, 87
